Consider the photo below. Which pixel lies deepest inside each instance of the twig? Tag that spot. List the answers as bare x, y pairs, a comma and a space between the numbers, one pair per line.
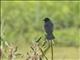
0, 53
51, 50
43, 53
12, 52
38, 39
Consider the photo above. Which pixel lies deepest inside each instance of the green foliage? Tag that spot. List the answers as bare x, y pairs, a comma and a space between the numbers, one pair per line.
23, 21
40, 0
68, 37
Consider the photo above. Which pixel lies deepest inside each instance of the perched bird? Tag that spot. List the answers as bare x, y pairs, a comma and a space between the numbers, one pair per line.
48, 26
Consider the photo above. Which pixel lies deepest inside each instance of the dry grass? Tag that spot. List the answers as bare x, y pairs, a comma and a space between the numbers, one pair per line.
60, 53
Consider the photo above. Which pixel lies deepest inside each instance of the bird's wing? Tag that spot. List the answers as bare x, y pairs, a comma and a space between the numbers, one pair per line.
48, 27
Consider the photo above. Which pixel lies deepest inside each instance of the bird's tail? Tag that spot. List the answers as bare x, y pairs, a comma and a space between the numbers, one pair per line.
50, 36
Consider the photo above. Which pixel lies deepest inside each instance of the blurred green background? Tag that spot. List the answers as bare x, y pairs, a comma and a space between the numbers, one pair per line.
22, 23
40, 0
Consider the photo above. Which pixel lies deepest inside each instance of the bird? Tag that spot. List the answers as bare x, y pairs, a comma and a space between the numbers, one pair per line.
48, 27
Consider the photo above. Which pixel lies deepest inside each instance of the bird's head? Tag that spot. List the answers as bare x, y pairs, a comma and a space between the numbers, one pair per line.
46, 20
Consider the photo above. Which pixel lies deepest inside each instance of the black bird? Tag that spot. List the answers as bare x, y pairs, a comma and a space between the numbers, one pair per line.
48, 26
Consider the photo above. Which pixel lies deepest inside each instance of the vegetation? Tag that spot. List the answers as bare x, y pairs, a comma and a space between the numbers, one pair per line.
40, 0
22, 23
